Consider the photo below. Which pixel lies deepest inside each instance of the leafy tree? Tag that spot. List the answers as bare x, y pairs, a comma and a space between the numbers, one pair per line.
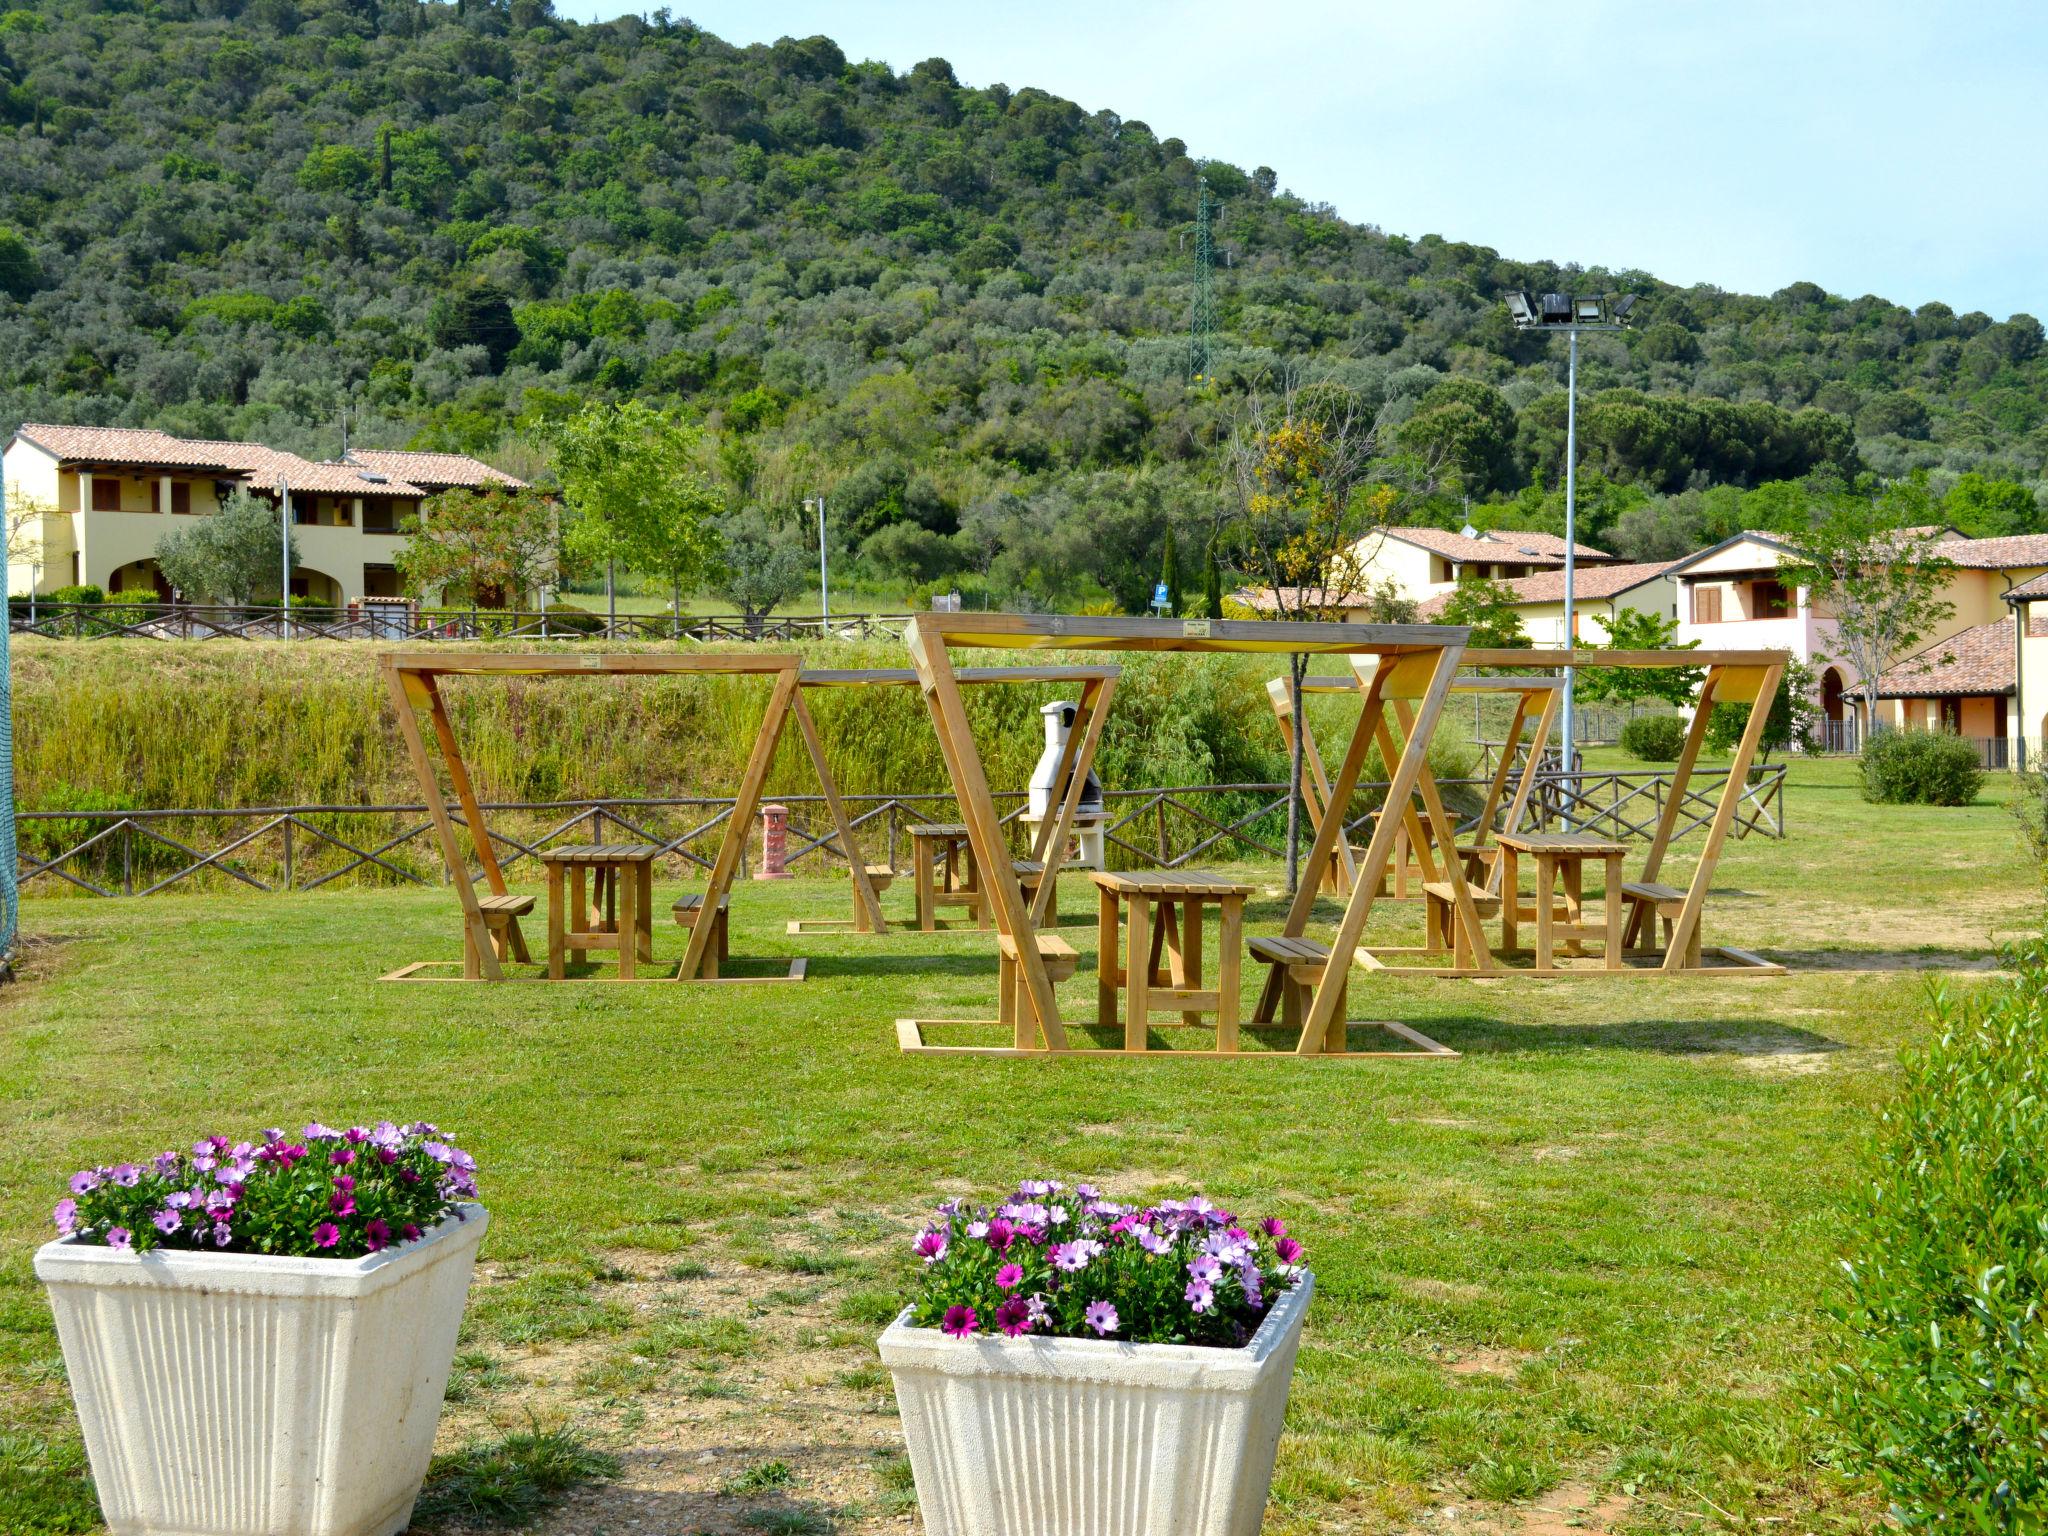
759, 565
476, 314
1871, 563
1984, 507
19, 274
1469, 426
1169, 573
1304, 520
634, 478
1794, 719
1637, 629
231, 556
1212, 583
1488, 607
491, 546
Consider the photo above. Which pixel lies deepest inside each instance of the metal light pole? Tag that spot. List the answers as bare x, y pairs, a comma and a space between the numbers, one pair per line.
824, 588
1570, 314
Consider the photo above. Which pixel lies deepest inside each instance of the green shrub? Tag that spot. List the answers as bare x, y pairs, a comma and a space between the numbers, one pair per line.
80, 594
1653, 738
568, 619
1920, 768
1943, 1347
42, 840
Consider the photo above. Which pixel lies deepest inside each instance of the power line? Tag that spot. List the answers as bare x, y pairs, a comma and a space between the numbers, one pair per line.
1202, 322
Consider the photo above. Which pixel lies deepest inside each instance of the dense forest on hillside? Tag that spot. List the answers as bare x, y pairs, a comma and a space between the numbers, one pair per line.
961, 312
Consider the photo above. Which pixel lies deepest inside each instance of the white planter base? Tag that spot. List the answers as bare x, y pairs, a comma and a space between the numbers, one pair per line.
1086, 1437
239, 1395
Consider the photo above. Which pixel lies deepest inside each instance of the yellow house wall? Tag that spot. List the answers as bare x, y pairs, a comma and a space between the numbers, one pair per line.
1381, 559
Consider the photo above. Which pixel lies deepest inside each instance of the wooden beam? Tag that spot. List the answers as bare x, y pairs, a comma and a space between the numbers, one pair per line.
408, 696
1688, 921
856, 862
1594, 658
739, 825
1341, 790
1681, 774
458, 776
1401, 784
1467, 913
1095, 697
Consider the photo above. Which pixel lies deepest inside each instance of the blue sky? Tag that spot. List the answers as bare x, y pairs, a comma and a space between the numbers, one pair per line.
1880, 147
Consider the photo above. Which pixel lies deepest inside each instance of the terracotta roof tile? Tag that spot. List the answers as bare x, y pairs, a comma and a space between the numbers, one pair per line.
1594, 582
432, 469
139, 446
1978, 660
2001, 554
1493, 546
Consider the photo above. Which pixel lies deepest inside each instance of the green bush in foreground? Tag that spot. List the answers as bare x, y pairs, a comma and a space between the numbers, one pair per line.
1653, 738
1944, 1361
1920, 768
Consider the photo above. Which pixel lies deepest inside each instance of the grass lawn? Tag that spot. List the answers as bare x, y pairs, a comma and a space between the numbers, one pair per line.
1571, 1281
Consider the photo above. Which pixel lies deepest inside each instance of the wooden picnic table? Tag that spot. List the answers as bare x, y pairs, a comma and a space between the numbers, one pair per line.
616, 912
1560, 854
943, 865
1163, 919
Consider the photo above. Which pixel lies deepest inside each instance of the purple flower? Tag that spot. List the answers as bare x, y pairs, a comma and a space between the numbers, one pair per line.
1273, 1226
1204, 1268
165, 1222
439, 1151
377, 1233
85, 1181
66, 1217
315, 1131
1287, 1250
1199, 1295
1075, 1255
1036, 1306
1009, 1277
327, 1234
342, 1203
341, 1157
930, 1245
165, 1163
1152, 1242
1101, 1316
222, 1236
1000, 1235
1013, 1316
355, 1135
959, 1321
411, 1232
120, 1237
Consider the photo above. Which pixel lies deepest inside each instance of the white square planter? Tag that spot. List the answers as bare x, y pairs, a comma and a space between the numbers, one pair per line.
233, 1394
1088, 1437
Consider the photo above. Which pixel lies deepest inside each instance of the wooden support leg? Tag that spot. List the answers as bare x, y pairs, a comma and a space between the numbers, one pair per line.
1191, 956
1229, 970
1337, 975
1510, 901
1546, 915
1165, 936
626, 891
558, 912
1294, 998
922, 870
1138, 974
1270, 995
1574, 903
1610, 907
643, 875
1106, 966
1007, 1011
579, 905
472, 962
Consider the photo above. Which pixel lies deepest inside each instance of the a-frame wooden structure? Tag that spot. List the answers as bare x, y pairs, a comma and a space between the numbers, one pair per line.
412, 679
1732, 677
1413, 668
1538, 694
1049, 847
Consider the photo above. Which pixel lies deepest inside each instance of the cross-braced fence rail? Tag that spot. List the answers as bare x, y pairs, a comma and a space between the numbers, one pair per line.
402, 621
310, 847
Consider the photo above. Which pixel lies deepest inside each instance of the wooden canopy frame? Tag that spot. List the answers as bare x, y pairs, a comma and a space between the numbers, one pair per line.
1527, 691
1413, 666
1098, 686
412, 678
1732, 677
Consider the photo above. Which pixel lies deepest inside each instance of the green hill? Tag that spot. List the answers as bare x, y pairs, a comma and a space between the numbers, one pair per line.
961, 312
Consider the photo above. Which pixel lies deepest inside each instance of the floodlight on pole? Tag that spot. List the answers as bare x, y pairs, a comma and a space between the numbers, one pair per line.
824, 588
1571, 313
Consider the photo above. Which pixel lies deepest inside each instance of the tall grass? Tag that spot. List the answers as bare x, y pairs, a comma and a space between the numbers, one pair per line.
212, 724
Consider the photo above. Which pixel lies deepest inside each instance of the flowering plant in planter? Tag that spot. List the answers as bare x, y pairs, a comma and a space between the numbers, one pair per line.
1053, 1263
323, 1194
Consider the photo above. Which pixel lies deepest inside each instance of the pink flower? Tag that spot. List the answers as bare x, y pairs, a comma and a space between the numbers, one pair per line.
1013, 1316
1273, 1226
120, 1237
1101, 1316
377, 1234
1199, 1295
1009, 1277
930, 1245
959, 1321
1287, 1250
66, 1217
326, 1235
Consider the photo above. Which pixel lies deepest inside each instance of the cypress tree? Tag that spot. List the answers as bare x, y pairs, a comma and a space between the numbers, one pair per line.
1212, 583
1170, 574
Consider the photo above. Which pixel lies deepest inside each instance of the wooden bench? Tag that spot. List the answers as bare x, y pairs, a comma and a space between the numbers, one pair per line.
1299, 966
1648, 901
501, 921
880, 877
1030, 875
687, 909
1443, 933
1014, 1008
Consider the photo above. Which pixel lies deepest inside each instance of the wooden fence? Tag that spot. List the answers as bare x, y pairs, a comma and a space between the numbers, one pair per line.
308, 847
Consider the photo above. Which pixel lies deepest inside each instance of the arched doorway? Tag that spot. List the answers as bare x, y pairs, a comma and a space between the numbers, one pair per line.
140, 577
1839, 728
